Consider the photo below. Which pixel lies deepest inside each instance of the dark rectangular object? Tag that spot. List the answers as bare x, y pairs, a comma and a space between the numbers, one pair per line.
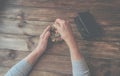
87, 26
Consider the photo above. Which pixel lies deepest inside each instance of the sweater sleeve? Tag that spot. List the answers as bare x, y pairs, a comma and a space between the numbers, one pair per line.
80, 68
22, 68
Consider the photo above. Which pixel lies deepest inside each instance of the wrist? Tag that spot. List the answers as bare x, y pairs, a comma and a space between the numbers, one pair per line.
38, 49
70, 40
74, 51
72, 45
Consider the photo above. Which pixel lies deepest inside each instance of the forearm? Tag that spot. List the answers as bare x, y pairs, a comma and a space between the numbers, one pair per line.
79, 65
34, 55
74, 51
22, 68
80, 68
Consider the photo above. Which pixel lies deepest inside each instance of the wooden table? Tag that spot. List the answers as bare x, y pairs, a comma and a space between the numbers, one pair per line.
22, 21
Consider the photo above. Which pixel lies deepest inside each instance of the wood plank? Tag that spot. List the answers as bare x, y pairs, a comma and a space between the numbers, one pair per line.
13, 42
93, 5
14, 12
64, 4
98, 12
3, 4
44, 73
11, 12
68, 14
98, 9
8, 26
3, 70
19, 28
43, 15
57, 64
59, 4
104, 50
104, 67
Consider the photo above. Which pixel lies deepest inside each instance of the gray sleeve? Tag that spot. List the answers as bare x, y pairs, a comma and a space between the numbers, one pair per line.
22, 68
80, 68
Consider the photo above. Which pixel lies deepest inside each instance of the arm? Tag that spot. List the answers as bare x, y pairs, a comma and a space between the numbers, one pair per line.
23, 67
78, 64
42, 44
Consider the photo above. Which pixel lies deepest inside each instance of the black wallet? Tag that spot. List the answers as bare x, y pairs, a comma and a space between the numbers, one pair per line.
87, 26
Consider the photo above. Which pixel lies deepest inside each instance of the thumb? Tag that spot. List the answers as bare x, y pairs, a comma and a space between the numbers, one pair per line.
47, 34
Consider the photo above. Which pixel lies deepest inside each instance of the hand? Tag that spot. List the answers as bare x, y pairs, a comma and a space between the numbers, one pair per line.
42, 44
63, 27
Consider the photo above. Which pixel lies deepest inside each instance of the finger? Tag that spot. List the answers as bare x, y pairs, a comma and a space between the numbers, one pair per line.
47, 34
46, 29
58, 20
62, 21
56, 31
56, 25
67, 22
59, 23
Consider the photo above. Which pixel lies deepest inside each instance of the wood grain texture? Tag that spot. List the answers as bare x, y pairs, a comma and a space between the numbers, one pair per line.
22, 22
12, 42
